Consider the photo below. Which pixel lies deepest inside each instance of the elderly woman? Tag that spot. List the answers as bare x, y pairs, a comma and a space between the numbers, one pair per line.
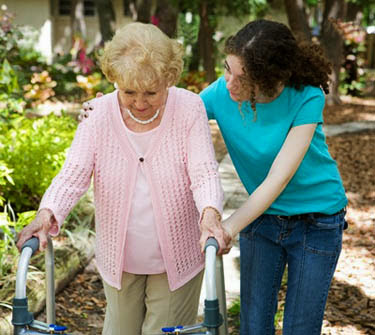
149, 150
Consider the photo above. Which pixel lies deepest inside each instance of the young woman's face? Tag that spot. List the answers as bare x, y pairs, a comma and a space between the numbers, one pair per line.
236, 79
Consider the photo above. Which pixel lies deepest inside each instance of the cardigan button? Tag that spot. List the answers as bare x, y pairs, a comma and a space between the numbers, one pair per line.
141, 159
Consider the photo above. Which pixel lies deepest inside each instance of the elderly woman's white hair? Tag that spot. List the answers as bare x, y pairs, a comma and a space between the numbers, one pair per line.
140, 56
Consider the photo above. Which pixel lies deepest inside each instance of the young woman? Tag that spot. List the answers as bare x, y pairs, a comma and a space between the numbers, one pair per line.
269, 107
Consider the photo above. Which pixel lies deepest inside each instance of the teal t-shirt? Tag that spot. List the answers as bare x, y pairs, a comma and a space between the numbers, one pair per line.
253, 146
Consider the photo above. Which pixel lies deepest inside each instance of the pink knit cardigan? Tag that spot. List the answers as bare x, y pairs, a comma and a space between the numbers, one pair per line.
180, 168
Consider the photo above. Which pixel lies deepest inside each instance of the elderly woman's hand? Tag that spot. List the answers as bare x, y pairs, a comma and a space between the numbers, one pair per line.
211, 227
39, 228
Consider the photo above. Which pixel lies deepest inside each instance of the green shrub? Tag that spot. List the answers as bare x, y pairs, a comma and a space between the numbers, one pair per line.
8, 250
35, 150
5, 178
17, 47
352, 74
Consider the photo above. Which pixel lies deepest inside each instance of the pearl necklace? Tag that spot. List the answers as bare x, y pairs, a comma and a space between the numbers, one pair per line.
143, 121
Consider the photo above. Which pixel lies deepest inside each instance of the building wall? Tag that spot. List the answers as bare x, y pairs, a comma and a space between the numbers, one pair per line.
62, 35
35, 13
55, 29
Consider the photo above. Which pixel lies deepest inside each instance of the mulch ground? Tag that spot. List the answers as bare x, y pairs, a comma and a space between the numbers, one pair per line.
351, 303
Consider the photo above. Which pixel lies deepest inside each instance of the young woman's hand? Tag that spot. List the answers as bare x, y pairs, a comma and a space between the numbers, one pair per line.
39, 228
211, 227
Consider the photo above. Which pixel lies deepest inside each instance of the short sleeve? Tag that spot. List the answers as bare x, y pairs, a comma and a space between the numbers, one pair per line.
310, 108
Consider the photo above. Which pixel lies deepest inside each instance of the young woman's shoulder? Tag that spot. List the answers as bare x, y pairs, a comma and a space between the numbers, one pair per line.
215, 89
305, 94
308, 91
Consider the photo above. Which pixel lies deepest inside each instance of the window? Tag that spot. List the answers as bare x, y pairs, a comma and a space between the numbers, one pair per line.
65, 7
89, 7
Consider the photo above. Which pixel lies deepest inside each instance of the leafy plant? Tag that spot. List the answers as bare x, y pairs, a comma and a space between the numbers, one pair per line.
35, 150
17, 47
8, 34
352, 75
188, 29
10, 107
234, 315
5, 178
194, 81
78, 75
8, 78
8, 229
94, 83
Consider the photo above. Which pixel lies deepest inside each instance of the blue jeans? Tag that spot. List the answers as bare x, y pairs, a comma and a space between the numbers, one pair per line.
311, 249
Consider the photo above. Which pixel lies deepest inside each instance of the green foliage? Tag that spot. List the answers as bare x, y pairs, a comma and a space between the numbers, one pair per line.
9, 36
32, 151
225, 7
17, 48
8, 228
35, 150
11, 102
11, 106
258, 8
187, 32
8, 78
368, 11
233, 313
78, 76
352, 74
5, 177
24, 67
7, 245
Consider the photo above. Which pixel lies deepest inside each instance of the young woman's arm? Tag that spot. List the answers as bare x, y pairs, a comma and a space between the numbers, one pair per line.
282, 170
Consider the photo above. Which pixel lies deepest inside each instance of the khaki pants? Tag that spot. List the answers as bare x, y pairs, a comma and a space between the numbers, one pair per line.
145, 304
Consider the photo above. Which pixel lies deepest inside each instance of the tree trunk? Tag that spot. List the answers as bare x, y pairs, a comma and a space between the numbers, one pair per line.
166, 15
77, 19
206, 42
107, 19
295, 10
144, 11
195, 57
332, 43
130, 9
354, 12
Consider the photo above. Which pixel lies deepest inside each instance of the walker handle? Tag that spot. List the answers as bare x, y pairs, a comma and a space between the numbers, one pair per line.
212, 317
211, 241
33, 243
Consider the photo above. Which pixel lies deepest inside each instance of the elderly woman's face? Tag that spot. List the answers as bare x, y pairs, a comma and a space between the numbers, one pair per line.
143, 103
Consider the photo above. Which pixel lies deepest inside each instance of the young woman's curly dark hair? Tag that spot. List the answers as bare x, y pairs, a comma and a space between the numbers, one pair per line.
272, 55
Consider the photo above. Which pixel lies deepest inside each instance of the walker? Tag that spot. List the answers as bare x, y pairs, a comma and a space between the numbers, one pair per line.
24, 322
